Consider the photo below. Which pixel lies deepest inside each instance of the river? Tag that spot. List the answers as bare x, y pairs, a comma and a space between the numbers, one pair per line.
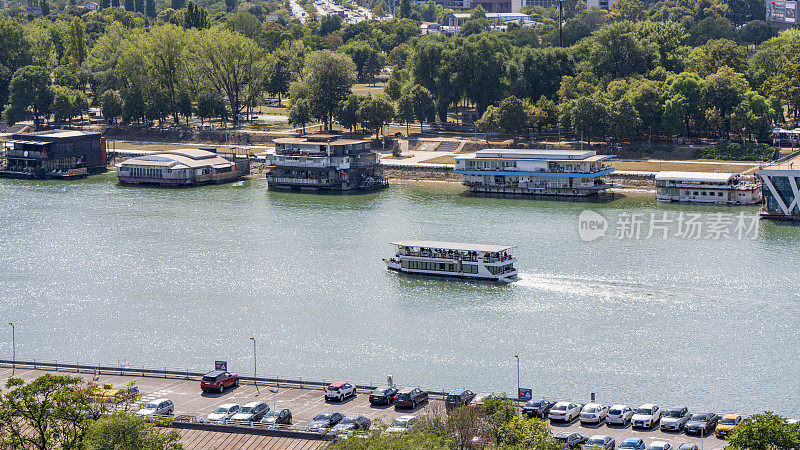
93, 271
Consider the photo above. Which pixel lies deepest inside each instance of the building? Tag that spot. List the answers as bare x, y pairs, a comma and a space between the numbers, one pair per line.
92, 6
603, 4
538, 172
781, 13
184, 167
491, 6
53, 154
543, 3
781, 190
324, 162
702, 187
501, 18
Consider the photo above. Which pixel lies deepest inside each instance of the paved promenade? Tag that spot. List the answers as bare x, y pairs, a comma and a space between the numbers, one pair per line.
305, 403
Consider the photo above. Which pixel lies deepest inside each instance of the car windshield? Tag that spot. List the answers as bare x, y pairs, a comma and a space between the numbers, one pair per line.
151, 406
246, 409
333, 388
453, 398
323, 416
629, 444
380, 391
674, 414
347, 420
596, 441
645, 411
221, 410
273, 414
590, 409
561, 438
699, 417
209, 378
728, 421
536, 403
615, 411
560, 407
400, 423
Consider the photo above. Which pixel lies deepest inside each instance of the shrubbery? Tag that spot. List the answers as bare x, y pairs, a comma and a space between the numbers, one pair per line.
733, 151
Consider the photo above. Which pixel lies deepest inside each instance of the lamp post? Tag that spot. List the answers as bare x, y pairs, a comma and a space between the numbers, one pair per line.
517, 358
254, 365
13, 350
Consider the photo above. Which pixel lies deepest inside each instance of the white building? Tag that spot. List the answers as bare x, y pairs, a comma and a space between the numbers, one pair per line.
782, 13
604, 4
703, 187
538, 172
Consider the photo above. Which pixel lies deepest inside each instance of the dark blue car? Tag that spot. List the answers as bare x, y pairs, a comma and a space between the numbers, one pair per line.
632, 443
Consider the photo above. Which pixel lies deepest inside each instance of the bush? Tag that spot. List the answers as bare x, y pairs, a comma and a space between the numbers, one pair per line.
396, 149
733, 151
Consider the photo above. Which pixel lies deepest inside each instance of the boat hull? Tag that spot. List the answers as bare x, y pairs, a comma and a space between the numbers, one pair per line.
507, 277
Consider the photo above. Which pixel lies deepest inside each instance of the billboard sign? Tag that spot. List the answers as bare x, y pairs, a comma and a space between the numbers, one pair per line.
525, 394
221, 365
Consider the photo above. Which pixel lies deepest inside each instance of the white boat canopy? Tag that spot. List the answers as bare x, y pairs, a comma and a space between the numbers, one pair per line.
454, 246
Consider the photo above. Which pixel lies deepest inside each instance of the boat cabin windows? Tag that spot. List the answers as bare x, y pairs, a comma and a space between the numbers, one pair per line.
425, 265
469, 268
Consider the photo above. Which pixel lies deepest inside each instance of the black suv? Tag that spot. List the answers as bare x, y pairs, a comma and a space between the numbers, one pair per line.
383, 395
409, 397
459, 397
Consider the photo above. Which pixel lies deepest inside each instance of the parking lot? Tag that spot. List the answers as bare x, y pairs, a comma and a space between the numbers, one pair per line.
305, 403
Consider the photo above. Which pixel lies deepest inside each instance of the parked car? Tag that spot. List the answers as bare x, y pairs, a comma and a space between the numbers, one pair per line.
402, 425
352, 423
593, 413
564, 411
160, 407
339, 391
224, 412
537, 408
459, 397
632, 443
687, 446
218, 380
251, 412
568, 439
325, 420
702, 423
480, 399
619, 414
675, 418
599, 441
277, 417
659, 445
410, 397
727, 424
383, 395
646, 416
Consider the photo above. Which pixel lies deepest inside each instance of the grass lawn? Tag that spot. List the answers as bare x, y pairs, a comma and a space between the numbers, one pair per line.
444, 159
364, 89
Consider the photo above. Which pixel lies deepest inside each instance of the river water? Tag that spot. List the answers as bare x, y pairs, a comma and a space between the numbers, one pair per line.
94, 271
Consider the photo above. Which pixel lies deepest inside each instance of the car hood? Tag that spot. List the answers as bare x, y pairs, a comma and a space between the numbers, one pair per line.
319, 424
216, 416
344, 427
145, 412
725, 427
395, 430
242, 416
670, 419
642, 417
695, 424
269, 420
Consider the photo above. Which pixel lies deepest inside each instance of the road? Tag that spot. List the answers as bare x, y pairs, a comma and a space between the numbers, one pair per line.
305, 403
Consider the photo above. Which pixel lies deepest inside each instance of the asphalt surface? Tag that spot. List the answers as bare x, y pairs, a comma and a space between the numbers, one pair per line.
305, 403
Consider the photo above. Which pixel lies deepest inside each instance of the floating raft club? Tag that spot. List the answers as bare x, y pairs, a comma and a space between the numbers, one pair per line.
453, 259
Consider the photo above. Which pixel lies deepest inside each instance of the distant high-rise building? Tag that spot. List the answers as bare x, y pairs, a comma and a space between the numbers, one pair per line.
543, 3
604, 4
491, 6
782, 13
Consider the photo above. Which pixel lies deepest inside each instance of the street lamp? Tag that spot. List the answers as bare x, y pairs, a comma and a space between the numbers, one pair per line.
274, 400
254, 365
517, 357
13, 350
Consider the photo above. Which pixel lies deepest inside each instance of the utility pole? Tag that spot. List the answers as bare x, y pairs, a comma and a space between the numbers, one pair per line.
517, 357
13, 350
560, 22
254, 365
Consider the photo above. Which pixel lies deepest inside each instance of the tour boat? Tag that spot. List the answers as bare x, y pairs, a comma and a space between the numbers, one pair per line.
453, 259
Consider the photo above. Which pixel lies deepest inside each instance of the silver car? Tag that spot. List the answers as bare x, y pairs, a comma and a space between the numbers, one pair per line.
600, 442
674, 419
251, 412
160, 407
224, 412
619, 414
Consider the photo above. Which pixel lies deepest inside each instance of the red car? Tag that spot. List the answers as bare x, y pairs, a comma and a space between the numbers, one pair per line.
218, 381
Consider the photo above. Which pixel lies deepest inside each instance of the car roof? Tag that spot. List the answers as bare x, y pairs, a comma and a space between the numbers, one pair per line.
353, 416
158, 400
227, 405
252, 403
598, 436
215, 373
648, 405
564, 434
631, 439
731, 416
596, 405
564, 403
338, 384
406, 389
676, 408
458, 391
701, 412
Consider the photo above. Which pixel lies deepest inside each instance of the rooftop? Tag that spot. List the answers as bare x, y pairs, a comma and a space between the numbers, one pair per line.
179, 159
549, 155
789, 164
700, 177
331, 139
454, 246
54, 134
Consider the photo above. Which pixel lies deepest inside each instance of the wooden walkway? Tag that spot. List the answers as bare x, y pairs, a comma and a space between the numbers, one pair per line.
198, 439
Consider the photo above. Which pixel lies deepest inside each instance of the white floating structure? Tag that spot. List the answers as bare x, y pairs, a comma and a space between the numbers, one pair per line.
705, 187
453, 259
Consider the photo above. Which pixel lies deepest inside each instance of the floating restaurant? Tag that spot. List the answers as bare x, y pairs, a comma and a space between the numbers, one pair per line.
177, 168
781, 190
538, 172
453, 259
702, 187
324, 162
53, 154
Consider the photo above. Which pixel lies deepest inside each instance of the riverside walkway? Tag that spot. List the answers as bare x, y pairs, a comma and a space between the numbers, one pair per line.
192, 406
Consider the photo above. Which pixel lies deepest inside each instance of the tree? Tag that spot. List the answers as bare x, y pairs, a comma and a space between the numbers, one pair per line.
724, 91
347, 113
233, 64
13, 53
209, 105
111, 105
512, 117
125, 431
77, 43
375, 112
617, 51
476, 69
717, 53
150, 9
49, 412
195, 17
329, 23
533, 72
623, 119
488, 121
45, 7
30, 93
133, 106
363, 54
757, 31
527, 433
404, 11
130, 5
405, 110
300, 113
63, 104
115, 3
165, 52
755, 114
327, 80
684, 96
588, 117
178, 4
765, 431
423, 104
277, 77
231, 5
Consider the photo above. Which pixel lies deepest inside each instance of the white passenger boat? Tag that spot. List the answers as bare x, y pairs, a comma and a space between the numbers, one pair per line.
453, 259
